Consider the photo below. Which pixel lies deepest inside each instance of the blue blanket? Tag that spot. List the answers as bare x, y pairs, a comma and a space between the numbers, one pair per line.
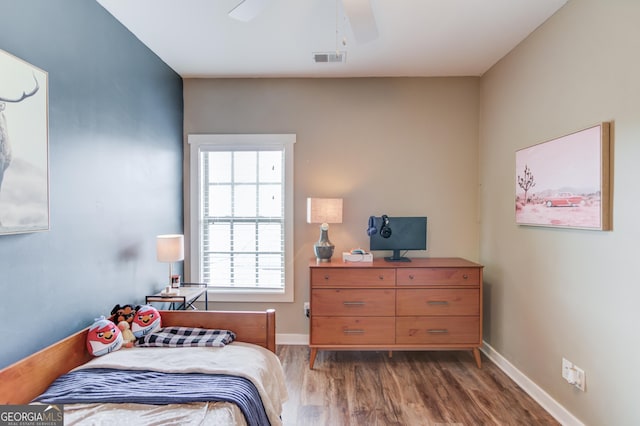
104, 385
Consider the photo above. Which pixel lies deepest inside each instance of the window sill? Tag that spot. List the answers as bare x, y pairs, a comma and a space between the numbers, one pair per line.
216, 295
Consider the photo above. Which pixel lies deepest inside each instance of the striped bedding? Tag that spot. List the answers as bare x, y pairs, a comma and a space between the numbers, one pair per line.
106, 385
257, 365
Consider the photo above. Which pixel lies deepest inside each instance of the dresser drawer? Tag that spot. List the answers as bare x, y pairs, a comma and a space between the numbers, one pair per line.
353, 302
352, 277
439, 276
352, 330
438, 301
438, 330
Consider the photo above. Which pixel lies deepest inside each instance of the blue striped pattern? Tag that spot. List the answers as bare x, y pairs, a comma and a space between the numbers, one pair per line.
104, 385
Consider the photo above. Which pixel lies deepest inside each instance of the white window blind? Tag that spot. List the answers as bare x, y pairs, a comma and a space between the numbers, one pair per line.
243, 229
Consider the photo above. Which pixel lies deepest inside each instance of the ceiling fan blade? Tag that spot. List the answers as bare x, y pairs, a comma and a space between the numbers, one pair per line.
246, 10
363, 23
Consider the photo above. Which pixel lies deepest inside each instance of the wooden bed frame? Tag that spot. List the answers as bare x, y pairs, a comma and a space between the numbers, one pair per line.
24, 380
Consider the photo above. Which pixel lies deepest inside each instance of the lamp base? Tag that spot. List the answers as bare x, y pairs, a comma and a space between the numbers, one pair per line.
323, 248
323, 253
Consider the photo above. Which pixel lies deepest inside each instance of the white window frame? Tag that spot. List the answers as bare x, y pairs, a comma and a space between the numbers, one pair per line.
198, 144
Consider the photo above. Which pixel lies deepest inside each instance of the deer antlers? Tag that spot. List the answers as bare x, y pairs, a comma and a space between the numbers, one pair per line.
24, 94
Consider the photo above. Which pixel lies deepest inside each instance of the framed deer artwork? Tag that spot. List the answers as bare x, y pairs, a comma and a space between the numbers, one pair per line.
24, 151
566, 182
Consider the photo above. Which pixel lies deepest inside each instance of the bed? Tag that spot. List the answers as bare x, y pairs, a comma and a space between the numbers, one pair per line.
250, 359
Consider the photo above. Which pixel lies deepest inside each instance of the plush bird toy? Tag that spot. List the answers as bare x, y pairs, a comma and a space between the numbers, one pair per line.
103, 337
145, 321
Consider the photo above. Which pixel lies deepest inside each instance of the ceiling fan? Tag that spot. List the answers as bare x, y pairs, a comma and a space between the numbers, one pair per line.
358, 12
246, 10
363, 23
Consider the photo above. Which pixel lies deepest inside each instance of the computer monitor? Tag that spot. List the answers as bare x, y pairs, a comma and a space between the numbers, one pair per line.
399, 234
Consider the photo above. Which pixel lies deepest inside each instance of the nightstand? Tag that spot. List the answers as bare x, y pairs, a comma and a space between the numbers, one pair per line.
187, 295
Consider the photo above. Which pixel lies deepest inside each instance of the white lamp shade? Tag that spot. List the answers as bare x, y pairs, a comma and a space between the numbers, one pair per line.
324, 210
170, 248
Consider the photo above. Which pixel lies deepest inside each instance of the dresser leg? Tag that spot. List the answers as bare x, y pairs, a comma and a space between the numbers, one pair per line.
476, 355
390, 354
312, 357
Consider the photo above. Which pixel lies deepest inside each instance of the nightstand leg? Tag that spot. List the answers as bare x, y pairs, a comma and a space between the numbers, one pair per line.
312, 357
476, 355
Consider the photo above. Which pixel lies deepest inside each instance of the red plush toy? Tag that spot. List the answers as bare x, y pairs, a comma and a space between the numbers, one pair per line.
145, 321
103, 337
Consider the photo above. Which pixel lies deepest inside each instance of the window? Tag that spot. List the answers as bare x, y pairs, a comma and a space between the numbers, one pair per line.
242, 215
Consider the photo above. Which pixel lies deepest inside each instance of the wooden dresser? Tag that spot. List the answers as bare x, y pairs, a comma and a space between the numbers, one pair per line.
425, 304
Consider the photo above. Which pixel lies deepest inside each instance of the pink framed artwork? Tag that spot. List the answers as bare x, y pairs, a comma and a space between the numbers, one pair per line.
565, 182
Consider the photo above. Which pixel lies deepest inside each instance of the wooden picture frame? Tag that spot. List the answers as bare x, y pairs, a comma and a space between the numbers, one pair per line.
565, 182
175, 281
24, 151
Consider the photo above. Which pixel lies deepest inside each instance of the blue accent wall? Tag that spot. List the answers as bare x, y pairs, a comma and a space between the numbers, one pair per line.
115, 173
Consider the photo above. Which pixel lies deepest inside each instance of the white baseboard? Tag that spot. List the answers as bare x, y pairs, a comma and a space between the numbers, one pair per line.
292, 339
552, 406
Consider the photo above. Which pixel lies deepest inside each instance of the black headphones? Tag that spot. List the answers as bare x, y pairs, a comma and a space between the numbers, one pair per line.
385, 230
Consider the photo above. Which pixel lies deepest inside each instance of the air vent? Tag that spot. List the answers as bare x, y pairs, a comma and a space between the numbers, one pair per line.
326, 57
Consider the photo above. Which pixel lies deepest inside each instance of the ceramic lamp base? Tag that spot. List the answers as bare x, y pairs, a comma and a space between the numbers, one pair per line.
323, 248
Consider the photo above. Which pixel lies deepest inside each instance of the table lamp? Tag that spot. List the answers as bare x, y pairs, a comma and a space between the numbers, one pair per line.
324, 211
170, 248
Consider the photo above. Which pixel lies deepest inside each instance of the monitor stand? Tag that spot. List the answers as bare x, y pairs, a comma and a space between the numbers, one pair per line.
397, 258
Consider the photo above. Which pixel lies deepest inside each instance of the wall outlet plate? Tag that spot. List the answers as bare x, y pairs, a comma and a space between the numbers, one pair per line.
573, 374
579, 378
566, 368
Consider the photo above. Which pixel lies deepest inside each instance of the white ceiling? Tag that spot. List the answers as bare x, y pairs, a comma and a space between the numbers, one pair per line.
197, 38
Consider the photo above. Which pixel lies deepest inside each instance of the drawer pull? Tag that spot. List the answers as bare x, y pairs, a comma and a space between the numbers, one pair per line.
353, 303
326, 277
437, 331
465, 276
354, 331
381, 277
437, 302
410, 276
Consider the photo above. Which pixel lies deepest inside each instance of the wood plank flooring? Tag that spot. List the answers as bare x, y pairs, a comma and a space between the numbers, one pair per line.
411, 388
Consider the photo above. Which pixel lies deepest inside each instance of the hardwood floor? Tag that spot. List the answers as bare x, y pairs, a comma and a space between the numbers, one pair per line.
411, 388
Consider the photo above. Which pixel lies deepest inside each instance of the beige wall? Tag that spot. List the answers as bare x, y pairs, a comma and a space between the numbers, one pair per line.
410, 146
551, 292
398, 146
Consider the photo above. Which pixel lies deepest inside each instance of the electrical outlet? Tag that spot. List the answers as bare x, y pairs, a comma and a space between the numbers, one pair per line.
573, 374
566, 368
307, 309
580, 379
